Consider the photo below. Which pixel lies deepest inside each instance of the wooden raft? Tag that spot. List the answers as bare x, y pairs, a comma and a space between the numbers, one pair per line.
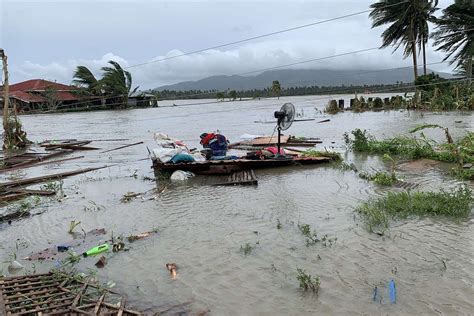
245, 177
58, 294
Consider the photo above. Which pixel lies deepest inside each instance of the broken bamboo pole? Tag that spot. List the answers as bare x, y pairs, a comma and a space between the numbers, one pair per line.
6, 185
121, 147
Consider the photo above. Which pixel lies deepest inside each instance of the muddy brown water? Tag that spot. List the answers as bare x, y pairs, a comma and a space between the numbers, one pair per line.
201, 228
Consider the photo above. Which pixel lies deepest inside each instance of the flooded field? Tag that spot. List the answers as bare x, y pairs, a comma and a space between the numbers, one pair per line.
202, 228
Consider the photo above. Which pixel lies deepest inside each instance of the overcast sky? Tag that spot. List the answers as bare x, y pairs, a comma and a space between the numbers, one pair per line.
48, 39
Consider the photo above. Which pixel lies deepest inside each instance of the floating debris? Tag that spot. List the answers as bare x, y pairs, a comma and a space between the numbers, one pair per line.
172, 269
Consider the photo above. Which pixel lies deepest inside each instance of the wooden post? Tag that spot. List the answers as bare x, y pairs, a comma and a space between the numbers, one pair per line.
5, 89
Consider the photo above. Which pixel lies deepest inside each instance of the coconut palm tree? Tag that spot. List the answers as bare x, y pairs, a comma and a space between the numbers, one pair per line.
408, 24
117, 82
426, 15
84, 78
455, 34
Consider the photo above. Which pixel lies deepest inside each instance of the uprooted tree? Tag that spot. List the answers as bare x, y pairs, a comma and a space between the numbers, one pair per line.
14, 137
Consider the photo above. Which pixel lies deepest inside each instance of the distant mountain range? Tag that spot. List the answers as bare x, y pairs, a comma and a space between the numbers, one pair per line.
299, 78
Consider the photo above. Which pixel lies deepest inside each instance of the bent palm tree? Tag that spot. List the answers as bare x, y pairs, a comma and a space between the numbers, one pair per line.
84, 78
117, 82
408, 24
455, 34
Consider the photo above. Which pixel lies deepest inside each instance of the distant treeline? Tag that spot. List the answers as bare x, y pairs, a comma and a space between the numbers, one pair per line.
268, 92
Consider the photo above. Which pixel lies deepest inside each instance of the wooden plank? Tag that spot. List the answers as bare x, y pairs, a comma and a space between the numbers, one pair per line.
121, 147
46, 178
31, 192
39, 164
268, 140
244, 177
73, 147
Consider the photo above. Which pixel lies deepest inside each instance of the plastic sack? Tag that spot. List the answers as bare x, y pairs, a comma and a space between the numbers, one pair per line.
198, 157
180, 175
165, 154
164, 140
182, 157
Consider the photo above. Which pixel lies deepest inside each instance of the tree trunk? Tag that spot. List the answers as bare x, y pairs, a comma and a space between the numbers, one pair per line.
415, 64
469, 70
424, 57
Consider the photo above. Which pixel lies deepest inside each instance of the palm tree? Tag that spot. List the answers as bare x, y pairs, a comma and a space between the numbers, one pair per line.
455, 34
408, 24
276, 88
84, 78
117, 82
427, 15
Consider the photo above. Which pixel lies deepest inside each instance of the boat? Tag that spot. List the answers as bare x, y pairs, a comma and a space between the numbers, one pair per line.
223, 167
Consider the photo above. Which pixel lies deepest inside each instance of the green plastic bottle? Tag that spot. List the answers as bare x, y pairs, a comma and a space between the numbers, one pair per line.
96, 250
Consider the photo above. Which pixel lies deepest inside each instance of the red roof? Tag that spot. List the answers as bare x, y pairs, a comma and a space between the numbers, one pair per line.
31, 91
26, 97
40, 85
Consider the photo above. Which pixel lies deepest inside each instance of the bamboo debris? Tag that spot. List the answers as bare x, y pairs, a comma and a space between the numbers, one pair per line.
121, 147
57, 293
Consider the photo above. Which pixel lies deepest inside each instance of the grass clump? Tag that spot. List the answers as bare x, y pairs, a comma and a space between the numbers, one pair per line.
414, 147
316, 153
246, 249
307, 282
312, 237
378, 212
279, 226
380, 177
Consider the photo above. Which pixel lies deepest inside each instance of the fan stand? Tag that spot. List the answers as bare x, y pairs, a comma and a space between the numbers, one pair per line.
279, 140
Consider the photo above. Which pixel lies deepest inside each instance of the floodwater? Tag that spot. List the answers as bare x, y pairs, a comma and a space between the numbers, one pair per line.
201, 228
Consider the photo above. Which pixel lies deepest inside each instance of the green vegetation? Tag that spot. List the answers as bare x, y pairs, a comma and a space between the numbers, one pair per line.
14, 137
316, 153
246, 249
55, 186
332, 107
279, 226
312, 237
307, 282
453, 34
439, 94
276, 88
72, 225
381, 178
413, 147
378, 212
232, 95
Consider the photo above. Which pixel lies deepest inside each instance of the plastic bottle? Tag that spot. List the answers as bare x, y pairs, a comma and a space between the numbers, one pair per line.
96, 250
